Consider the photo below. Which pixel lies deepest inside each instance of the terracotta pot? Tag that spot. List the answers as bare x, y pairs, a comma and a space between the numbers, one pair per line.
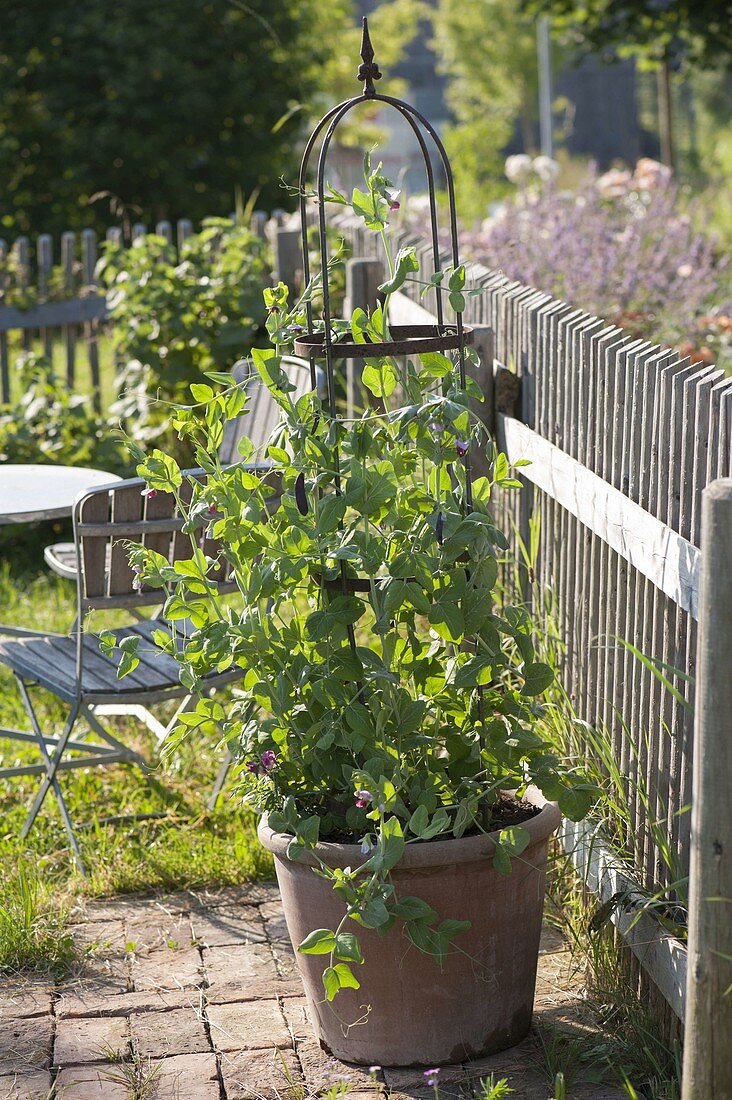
481, 1000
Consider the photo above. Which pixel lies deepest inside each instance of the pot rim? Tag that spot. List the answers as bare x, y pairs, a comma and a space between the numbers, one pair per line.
431, 853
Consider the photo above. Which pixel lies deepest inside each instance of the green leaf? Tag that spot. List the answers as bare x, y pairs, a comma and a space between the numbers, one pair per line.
320, 942
406, 261
515, 839
201, 392
537, 678
457, 278
373, 208
374, 913
346, 977
436, 364
457, 300
267, 362
380, 379
331, 982
331, 510
502, 860
393, 842
348, 948
418, 820
412, 908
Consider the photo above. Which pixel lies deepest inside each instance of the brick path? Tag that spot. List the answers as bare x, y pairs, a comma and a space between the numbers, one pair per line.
196, 997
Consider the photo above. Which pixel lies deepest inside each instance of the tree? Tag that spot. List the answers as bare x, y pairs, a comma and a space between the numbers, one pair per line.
170, 107
487, 49
669, 31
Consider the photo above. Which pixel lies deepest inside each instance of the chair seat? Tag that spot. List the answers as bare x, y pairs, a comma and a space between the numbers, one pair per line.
61, 558
50, 661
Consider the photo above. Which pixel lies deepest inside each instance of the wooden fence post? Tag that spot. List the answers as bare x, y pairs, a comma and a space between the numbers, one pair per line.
708, 1032
362, 281
484, 344
88, 264
287, 259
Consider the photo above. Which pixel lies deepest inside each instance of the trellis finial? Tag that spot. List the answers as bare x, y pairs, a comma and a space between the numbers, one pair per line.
369, 71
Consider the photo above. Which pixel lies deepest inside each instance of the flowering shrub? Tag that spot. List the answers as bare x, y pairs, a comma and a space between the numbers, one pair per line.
386, 698
619, 247
174, 320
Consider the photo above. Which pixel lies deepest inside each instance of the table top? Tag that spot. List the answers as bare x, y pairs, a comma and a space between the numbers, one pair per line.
33, 492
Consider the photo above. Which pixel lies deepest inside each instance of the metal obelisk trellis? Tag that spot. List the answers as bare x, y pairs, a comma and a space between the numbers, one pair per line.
404, 339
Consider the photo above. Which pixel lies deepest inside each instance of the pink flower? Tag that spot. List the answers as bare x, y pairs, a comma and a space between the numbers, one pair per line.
431, 1076
462, 446
392, 198
651, 174
149, 493
269, 760
363, 798
212, 509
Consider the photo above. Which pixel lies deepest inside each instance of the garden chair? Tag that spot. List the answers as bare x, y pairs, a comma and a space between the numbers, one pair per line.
257, 421
72, 666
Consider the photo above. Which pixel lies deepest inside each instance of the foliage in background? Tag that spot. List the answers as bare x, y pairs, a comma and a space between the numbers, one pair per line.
49, 423
619, 246
487, 50
697, 30
161, 111
174, 320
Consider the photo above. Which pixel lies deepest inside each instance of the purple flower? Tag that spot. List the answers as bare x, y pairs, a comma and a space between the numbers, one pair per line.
392, 197
436, 428
295, 330
363, 798
366, 845
269, 760
252, 767
137, 579
149, 493
431, 1077
462, 446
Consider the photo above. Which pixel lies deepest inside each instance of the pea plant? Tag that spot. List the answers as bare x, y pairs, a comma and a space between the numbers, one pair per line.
388, 698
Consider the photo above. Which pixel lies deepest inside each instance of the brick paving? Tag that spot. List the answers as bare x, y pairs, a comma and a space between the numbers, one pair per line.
195, 996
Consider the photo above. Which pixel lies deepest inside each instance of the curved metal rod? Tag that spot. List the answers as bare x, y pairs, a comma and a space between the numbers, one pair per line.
427, 160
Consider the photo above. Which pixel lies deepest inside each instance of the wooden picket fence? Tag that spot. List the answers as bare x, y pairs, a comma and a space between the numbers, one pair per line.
60, 300
626, 440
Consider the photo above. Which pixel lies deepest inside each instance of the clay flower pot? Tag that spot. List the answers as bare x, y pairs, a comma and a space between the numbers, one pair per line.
480, 1002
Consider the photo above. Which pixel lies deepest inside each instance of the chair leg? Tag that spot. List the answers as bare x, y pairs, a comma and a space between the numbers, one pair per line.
51, 779
221, 776
133, 757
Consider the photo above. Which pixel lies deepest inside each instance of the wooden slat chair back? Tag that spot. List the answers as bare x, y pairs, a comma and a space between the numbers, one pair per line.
262, 413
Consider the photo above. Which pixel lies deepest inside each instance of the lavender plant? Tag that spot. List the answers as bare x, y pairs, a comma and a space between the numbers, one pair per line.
387, 700
620, 246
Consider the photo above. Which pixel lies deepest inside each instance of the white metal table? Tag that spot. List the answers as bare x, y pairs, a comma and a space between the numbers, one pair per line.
29, 493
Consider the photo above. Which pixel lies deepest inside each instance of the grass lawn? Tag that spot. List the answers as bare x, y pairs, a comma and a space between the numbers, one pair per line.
188, 846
